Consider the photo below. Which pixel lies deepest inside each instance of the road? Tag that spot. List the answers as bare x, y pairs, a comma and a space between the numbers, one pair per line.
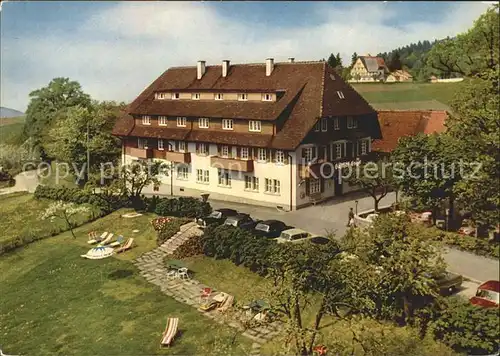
332, 217
25, 182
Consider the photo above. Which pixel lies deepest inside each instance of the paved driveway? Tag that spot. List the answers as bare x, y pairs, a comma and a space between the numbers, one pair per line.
332, 217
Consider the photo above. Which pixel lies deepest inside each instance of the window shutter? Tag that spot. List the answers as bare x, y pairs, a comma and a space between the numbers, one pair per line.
285, 157
303, 153
269, 155
327, 153
314, 154
333, 149
219, 150
197, 148
349, 150
238, 152
177, 145
321, 185
230, 151
307, 186
358, 148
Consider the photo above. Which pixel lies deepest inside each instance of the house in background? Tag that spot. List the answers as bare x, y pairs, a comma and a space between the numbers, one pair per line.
399, 76
369, 69
395, 124
250, 133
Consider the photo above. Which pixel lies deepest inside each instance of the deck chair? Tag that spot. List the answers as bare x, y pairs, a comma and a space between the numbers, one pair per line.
95, 240
170, 332
117, 243
226, 304
126, 246
107, 239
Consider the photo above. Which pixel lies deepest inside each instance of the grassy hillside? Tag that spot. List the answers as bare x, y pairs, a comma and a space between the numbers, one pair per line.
406, 96
11, 129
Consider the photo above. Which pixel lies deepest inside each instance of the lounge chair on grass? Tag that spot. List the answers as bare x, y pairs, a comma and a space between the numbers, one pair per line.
118, 242
94, 240
126, 246
107, 239
226, 304
170, 332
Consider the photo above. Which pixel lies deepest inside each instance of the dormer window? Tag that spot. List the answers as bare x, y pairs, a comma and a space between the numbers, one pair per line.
227, 124
146, 120
162, 120
267, 97
195, 96
254, 126
324, 124
352, 122
219, 96
181, 122
336, 124
176, 96
340, 94
203, 123
160, 95
317, 126
243, 97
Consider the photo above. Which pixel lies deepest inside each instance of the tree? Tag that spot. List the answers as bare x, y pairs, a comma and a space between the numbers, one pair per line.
471, 52
395, 62
332, 61
375, 179
65, 212
427, 167
354, 58
60, 93
138, 175
67, 141
338, 60
405, 257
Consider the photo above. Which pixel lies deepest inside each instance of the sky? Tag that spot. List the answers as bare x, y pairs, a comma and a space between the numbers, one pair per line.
116, 49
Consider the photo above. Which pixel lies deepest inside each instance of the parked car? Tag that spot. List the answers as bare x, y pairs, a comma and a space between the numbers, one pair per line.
216, 217
293, 235
270, 228
448, 282
243, 221
487, 295
319, 240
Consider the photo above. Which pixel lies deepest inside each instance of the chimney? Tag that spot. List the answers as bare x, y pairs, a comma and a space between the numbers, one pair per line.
291, 60
269, 66
200, 69
225, 67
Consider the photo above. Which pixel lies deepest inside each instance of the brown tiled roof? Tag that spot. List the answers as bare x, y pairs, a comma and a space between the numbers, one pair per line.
160, 132
309, 92
234, 138
397, 124
123, 125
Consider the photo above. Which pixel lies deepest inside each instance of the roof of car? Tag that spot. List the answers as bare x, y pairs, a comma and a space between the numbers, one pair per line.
491, 285
238, 216
224, 210
268, 222
294, 231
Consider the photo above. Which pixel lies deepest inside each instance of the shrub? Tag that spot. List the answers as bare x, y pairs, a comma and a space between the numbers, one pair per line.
467, 328
180, 207
479, 246
191, 247
170, 229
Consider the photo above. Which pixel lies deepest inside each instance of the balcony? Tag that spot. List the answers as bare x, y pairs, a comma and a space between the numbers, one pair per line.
232, 164
178, 157
139, 152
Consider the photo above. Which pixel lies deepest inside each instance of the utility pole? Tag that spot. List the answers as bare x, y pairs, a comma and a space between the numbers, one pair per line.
88, 151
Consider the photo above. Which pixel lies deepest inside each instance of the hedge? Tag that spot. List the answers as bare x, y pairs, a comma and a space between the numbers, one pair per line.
180, 207
476, 245
191, 247
168, 229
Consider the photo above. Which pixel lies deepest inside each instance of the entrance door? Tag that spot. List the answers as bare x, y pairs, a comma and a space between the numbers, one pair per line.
337, 185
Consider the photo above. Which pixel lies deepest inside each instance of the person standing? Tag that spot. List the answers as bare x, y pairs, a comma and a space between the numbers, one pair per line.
350, 217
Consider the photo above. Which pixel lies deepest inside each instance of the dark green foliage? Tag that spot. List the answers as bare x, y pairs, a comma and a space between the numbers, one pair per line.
191, 247
181, 207
476, 245
467, 328
79, 196
170, 230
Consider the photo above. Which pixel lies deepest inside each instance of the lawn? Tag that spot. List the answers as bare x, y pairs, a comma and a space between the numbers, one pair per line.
11, 132
20, 214
405, 96
58, 176
55, 302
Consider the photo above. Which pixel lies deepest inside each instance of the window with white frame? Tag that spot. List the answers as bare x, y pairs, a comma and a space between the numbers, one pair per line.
324, 124
340, 94
202, 148
202, 176
142, 143
224, 151
146, 120
307, 153
244, 153
251, 183
243, 97
364, 147
314, 186
338, 147
254, 126
352, 122
279, 156
273, 186
317, 126
267, 97
182, 146
227, 124
195, 96
176, 96
182, 172
162, 120
224, 178
262, 154
336, 123
160, 144
203, 123
219, 96
181, 121
160, 96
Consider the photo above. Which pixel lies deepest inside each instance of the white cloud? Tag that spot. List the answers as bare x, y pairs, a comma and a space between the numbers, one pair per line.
119, 51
